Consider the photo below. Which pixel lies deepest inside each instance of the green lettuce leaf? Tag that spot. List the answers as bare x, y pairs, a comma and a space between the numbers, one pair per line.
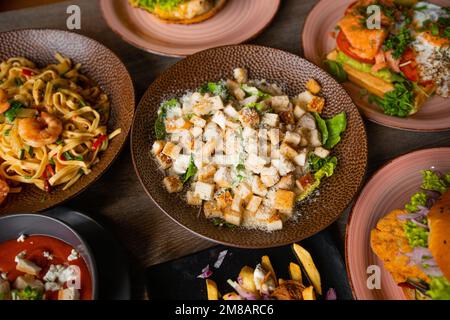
431, 181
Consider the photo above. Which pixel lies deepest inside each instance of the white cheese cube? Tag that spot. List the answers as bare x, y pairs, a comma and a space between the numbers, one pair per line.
292, 138
254, 204
271, 119
283, 165
254, 163
222, 177
219, 119
241, 75
231, 112
204, 190
28, 267
171, 150
300, 159
314, 138
217, 103
270, 176
321, 152
208, 148
298, 112
181, 164
287, 151
197, 121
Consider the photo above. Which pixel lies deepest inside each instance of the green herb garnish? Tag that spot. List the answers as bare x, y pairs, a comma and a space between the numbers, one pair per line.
11, 114
216, 88
191, 171
399, 42
399, 102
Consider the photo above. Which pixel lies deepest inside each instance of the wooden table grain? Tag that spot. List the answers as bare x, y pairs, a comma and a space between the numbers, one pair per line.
118, 199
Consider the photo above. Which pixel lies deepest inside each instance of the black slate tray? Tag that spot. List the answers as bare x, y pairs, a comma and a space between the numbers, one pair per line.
177, 279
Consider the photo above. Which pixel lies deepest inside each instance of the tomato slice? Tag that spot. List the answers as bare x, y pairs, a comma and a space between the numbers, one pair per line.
409, 70
344, 45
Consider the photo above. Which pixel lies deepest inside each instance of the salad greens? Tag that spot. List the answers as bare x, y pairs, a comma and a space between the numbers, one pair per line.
217, 89
398, 42
331, 129
160, 128
191, 171
253, 91
162, 4
417, 236
336, 70
326, 170
399, 102
431, 181
418, 199
439, 288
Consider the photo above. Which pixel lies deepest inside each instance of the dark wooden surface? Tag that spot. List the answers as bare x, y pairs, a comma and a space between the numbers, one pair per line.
118, 198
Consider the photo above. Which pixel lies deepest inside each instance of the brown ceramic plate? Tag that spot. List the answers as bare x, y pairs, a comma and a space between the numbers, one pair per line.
289, 71
318, 42
100, 64
390, 188
237, 22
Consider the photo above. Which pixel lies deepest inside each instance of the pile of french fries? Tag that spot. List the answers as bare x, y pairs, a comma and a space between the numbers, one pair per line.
297, 288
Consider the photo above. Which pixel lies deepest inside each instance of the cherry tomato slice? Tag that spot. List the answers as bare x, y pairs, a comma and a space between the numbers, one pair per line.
410, 69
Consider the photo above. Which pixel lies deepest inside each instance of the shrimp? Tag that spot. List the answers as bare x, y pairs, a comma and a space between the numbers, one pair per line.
4, 104
41, 131
4, 190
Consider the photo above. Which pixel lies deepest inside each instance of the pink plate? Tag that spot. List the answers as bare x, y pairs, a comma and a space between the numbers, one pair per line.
237, 22
318, 41
390, 188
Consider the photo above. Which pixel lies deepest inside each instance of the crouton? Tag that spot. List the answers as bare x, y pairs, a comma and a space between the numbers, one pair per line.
316, 105
270, 176
241, 75
208, 148
313, 86
254, 203
193, 199
274, 223
173, 184
283, 165
284, 201
271, 119
244, 190
171, 150
197, 121
203, 107
274, 136
164, 161
286, 182
235, 90
196, 132
303, 99
258, 187
287, 117
223, 199
177, 125
216, 102
158, 146
314, 138
206, 173
69, 294
28, 267
280, 103
298, 112
211, 210
321, 152
288, 151
292, 138
232, 216
204, 190
249, 117
237, 204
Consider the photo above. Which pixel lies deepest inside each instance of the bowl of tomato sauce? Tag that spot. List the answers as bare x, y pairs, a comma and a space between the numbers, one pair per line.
43, 258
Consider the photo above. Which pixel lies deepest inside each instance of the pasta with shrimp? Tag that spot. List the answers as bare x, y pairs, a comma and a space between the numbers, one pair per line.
53, 124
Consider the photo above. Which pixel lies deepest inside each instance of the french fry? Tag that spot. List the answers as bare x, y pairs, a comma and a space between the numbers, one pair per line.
308, 293
248, 282
310, 268
267, 265
211, 288
231, 296
295, 272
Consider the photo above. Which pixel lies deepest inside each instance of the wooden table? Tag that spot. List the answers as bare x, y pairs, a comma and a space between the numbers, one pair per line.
118, 199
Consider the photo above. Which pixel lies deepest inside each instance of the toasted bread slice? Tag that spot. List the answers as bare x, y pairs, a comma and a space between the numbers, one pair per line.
379, 87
